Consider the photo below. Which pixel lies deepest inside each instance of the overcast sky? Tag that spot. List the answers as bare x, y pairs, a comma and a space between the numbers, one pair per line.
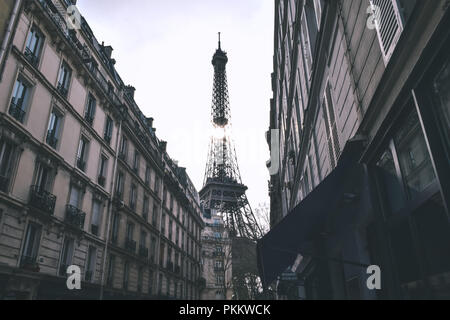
164, 49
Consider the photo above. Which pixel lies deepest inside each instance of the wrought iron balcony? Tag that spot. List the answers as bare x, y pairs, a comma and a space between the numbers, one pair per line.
130, 245
52, 141
31, 57
107, 138
4, 183
75, 217
15, 110
143, 252
94, 230
42, 200
29, 263
89, 118
101, 181
81, 164
62, 90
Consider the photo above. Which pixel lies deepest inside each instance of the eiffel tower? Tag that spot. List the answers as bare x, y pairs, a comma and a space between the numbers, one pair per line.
223, 190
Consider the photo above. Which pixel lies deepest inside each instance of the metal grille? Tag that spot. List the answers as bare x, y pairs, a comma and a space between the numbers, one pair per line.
389, 25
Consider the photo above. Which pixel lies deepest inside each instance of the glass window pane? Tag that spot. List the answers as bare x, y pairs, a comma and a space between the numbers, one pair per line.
441, 93
414, 158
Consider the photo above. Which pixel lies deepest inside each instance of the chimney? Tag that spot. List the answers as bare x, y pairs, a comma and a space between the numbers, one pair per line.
150, 122
163, 146
129, 90
108, 51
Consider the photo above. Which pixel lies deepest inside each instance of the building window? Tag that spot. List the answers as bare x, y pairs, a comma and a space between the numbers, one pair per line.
19, 101
66, 256
120, 185
155, 215
65, 74
96, 217
7, 150
136, 162
161, 255
82, 153
75, 197
34, 46
43, 178
115, 228
163, 224
441, 99
139, 279
405, 169
91, 263
414, 159
145, 208
389, 25
89, 114
331, 128
156, 184
147, 175
31, 247
126, 274
54, 128
153, 250
150, 282
123, 149
110, 275
109, 125
133, 197
102, 171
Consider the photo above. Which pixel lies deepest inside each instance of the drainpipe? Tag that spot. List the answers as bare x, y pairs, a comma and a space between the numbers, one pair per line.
8, 34
109, 218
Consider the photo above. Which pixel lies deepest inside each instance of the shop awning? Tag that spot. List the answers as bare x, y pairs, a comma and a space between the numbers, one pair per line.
279, 249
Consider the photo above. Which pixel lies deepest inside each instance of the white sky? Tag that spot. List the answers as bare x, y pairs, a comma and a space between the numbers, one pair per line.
164, 49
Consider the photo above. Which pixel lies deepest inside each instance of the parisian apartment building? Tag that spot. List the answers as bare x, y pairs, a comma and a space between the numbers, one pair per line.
217, 259
361, 116
84, 180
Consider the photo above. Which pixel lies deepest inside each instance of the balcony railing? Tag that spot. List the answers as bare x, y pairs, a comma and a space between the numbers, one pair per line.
218, 254
101, 181
219, 269
89, 118
62, 90
130, 245
94, 230
75, 217
143, 252
15, 110
42, 200
4, 183
51, 139
29, 263
31, 57
81, 164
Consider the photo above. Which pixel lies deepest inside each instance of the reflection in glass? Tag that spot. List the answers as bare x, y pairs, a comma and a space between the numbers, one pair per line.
414, 159
390, 182
441, 88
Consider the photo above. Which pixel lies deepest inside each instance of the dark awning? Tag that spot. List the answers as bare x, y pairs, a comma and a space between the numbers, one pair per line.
292, 236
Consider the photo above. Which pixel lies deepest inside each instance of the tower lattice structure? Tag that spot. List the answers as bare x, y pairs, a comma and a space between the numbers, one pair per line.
223, 190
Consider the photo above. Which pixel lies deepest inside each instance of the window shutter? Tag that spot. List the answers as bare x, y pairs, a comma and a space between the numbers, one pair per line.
389, 25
